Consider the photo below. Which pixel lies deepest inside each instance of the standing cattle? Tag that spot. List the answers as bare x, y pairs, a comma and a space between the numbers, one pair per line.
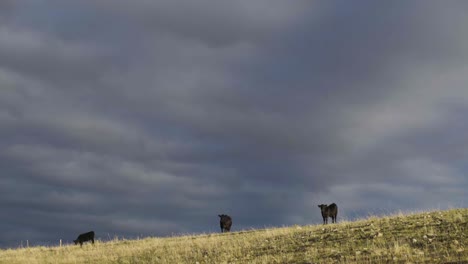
329, 211
225, 221
85, 237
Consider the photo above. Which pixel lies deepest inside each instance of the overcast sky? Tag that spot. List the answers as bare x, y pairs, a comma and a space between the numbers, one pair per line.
150, 118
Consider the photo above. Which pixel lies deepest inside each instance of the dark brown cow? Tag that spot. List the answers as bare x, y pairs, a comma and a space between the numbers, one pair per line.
329, 211
225, 221
89, 236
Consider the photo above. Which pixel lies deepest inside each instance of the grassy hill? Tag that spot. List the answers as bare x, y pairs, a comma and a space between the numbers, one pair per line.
431, 237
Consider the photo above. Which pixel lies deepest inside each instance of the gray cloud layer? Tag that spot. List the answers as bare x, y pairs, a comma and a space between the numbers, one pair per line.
150, 118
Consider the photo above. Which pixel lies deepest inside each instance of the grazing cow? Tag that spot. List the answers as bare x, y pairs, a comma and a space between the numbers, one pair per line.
329, 211
225, 222
85, 237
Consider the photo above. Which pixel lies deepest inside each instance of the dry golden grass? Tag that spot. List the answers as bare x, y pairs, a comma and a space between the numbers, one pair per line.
430, 237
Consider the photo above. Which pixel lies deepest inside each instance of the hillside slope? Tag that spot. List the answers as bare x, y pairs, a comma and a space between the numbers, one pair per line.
432, 237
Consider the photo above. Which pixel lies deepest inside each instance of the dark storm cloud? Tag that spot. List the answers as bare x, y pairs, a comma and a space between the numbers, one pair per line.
151, 118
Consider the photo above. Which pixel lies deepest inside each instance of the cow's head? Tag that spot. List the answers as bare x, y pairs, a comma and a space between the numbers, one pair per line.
76, 242
322, 206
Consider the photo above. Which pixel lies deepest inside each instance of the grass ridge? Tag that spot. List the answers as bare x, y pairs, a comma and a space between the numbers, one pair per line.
425, 237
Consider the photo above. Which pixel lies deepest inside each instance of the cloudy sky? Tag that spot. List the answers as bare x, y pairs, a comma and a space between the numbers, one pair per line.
150, 118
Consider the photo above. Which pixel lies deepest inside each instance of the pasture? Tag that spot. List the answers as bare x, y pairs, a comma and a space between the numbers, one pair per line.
431, 237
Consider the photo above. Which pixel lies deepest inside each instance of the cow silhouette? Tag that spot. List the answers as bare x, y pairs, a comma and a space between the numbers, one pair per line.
225, 221
89, 236
329, 211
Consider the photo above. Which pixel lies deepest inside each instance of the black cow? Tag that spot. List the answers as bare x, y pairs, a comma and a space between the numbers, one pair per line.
225, 221
85, 237
329, 211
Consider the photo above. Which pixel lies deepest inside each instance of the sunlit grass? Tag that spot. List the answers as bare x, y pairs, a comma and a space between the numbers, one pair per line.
432, 237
